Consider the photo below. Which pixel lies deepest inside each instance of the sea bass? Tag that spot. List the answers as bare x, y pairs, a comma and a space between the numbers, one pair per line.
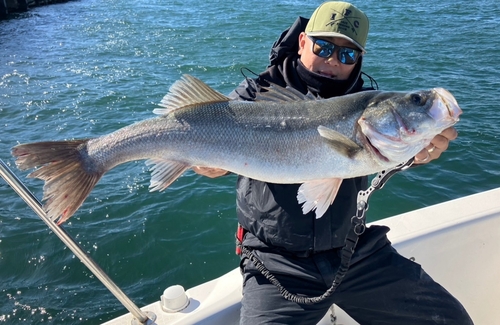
281, 137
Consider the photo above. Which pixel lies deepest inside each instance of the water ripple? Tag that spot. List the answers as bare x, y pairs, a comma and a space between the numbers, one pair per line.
85, 68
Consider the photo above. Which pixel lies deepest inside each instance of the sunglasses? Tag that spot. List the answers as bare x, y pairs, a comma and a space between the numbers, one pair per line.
325, 49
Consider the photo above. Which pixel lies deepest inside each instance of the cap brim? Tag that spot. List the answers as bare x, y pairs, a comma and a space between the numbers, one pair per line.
334, 34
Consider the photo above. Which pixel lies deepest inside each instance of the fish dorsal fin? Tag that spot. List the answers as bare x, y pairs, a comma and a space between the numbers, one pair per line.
318, 195
339, 142
164, 172
186, 92
276, 93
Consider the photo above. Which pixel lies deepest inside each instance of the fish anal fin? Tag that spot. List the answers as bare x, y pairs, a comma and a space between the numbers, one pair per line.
318, 195
164, 172
186, 92
339, 142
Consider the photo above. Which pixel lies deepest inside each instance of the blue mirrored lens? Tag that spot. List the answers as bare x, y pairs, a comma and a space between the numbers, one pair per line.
323, 49
347, 56
326, 49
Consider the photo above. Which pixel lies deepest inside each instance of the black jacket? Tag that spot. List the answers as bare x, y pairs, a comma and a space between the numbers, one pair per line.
270, 212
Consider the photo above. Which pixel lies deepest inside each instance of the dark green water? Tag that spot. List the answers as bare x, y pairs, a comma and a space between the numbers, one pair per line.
88, 67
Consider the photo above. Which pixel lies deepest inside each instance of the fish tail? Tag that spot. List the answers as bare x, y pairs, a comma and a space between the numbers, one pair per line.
68, 181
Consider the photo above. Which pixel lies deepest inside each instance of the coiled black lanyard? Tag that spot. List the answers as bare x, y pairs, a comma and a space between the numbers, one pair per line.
358, 226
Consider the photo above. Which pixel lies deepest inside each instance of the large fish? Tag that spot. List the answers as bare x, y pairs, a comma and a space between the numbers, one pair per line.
282, 137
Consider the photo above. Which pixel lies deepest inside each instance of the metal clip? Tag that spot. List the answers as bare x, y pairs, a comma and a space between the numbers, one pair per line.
381, 178
358, 221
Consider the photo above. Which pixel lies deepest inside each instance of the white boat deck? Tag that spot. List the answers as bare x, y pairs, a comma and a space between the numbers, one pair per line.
456, 242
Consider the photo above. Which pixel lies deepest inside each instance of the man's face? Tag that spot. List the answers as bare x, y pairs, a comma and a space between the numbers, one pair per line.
329, 67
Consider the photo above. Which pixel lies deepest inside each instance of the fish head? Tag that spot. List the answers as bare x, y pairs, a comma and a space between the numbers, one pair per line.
396, 126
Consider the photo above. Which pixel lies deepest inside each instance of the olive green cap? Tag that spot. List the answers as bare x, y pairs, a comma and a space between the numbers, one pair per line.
339, 19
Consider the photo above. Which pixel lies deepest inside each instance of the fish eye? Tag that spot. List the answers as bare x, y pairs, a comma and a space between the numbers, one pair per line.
417, 99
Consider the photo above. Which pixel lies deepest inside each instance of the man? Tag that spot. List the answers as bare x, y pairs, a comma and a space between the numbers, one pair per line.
302, 252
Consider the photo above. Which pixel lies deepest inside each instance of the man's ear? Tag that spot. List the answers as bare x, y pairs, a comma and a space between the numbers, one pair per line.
302, 42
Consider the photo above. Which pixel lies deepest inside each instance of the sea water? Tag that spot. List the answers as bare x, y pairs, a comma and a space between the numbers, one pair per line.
86, 68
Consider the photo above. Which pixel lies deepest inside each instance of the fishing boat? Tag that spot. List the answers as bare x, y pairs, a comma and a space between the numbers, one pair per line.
456, 242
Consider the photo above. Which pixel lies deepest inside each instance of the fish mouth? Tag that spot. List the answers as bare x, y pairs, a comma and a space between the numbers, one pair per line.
445, 108
385, 147
365, 140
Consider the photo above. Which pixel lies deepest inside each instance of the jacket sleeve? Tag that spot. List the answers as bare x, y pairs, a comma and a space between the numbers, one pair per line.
246, 90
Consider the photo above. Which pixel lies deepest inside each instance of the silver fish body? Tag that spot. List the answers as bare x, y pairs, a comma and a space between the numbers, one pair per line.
282, 137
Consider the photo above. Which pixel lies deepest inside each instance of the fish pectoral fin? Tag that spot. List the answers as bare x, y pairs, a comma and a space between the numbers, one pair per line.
164, 172
318, 195
339, 142
186, 92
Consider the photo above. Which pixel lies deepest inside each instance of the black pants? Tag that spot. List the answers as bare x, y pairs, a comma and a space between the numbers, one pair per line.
381, 287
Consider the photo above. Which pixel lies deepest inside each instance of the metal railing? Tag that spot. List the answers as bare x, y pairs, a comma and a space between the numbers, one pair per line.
36, 205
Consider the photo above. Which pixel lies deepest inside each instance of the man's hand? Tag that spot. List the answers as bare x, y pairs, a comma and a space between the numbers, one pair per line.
210, 172
437, 146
